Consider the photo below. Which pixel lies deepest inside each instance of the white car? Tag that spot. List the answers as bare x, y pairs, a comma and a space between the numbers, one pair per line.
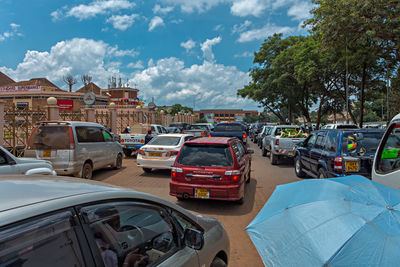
161, 151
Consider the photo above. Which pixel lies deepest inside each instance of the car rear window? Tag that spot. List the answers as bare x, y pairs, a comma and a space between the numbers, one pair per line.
199, 127
228, 128
206, 155
50, 137
361, 143
346, 126
287, 129
165, 141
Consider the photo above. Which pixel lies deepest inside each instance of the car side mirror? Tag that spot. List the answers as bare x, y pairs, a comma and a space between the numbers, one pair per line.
44, 171
194, 239
250, 151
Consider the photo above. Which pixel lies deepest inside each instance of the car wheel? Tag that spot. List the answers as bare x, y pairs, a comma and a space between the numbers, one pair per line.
127, 153
118, 162
218, 262
87, 171
264, 152
147, 170
274, 159
298, 169
322, 174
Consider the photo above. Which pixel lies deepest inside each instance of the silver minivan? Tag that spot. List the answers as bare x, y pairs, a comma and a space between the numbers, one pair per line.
74, 148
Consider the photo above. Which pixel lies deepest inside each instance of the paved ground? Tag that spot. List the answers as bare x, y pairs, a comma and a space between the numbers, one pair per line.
235, 218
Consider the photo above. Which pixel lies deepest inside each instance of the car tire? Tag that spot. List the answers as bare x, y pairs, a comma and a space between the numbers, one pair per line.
274, 159
298, 169
118, 162
218, 262
87, 171
128, 153
147, 170
322, 174
264, 152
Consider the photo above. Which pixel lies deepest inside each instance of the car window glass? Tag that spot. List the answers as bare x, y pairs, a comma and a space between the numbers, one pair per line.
88, 134
50, 137
3, 159
188, 138
46, 241
205, 155
107, 136
235, 148
390, 155
184, 222
133, 233
311, 141
164, 130
153, 129
319, 143
361, 143
331, 141
241, 149
165, 141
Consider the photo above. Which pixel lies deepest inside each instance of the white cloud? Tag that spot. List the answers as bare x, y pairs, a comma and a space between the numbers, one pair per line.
300, 11
14, 31
170, 82
122, 22
206, 47
237, 28
113, 50
97, 7
243, 8
188, 45
219, 27
155, 22
244, 54
157, 9
189, 6
77, 56
177, 21
263, 33
136, 65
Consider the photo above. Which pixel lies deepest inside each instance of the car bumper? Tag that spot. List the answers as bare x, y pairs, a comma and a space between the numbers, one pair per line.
285, 152
218, 192
131, 147
144, 162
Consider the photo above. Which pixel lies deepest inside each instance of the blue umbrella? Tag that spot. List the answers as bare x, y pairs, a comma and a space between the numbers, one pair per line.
347, 221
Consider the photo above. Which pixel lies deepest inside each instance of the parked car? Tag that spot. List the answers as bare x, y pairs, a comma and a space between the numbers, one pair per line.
340, 126
181, 125
199, 130
9, 164
209, 124
282, 141
74, 148
211, 168
136, 137
333, 153
230, 129
161, 151
262, 134
173, 130
386, 167
74, 222
254, 131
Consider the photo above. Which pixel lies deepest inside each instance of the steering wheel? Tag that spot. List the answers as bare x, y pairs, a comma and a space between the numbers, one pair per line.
125, 228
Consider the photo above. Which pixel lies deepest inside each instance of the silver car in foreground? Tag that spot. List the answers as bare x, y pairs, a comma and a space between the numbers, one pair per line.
9, 164
73, 222
74, 147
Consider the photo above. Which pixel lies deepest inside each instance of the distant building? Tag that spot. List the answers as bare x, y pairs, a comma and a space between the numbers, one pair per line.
121, 94
220, 115
33, 93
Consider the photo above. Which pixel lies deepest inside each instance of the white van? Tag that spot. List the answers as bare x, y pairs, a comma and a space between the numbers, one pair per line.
386, 168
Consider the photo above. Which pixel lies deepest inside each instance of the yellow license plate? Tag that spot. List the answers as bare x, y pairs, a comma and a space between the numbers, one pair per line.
155, 154
351, 166
202, 193
46, 153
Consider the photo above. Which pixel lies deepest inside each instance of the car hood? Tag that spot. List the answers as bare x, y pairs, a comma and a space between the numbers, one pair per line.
31, 160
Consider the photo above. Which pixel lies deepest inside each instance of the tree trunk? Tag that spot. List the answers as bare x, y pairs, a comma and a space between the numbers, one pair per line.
364, 74
319, 115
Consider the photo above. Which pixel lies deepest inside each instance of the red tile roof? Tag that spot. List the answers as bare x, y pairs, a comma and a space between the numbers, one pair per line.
4, 79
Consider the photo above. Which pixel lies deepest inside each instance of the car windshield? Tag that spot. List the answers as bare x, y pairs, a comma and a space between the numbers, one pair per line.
205, 155
50, 137
361, 143
228, 128
165, 141
279, 131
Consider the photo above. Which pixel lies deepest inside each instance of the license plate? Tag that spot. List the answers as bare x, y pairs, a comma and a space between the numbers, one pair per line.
135, 140
46, 153
202, 193
291, 153
155, 154
351, 166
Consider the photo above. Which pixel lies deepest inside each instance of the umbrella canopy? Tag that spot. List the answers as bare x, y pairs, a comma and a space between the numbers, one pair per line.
347, 221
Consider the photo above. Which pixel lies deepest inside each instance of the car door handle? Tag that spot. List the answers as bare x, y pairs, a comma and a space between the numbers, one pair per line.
216, 176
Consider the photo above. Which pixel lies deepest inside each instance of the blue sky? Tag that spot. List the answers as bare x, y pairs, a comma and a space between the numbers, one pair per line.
177, 51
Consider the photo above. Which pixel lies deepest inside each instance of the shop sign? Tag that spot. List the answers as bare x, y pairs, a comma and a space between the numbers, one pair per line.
21, 88
65, 104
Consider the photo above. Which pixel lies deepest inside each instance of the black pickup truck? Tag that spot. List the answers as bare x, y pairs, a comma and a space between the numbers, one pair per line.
230, 129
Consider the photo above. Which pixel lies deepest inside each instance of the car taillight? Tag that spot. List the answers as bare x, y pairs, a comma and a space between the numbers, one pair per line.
119, 138
141, 152
71, 138
172, 153
277, 142
175, 171
204, 134
244, 136
338, 164
235, 175
209, 135
29, 139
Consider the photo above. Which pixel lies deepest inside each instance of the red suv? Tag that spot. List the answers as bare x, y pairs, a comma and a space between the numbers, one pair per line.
211, 168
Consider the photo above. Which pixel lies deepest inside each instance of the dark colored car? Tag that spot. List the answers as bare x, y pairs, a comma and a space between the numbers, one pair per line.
333, 153
173, 130
230, 129
211, 168
255, 130
181, 125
